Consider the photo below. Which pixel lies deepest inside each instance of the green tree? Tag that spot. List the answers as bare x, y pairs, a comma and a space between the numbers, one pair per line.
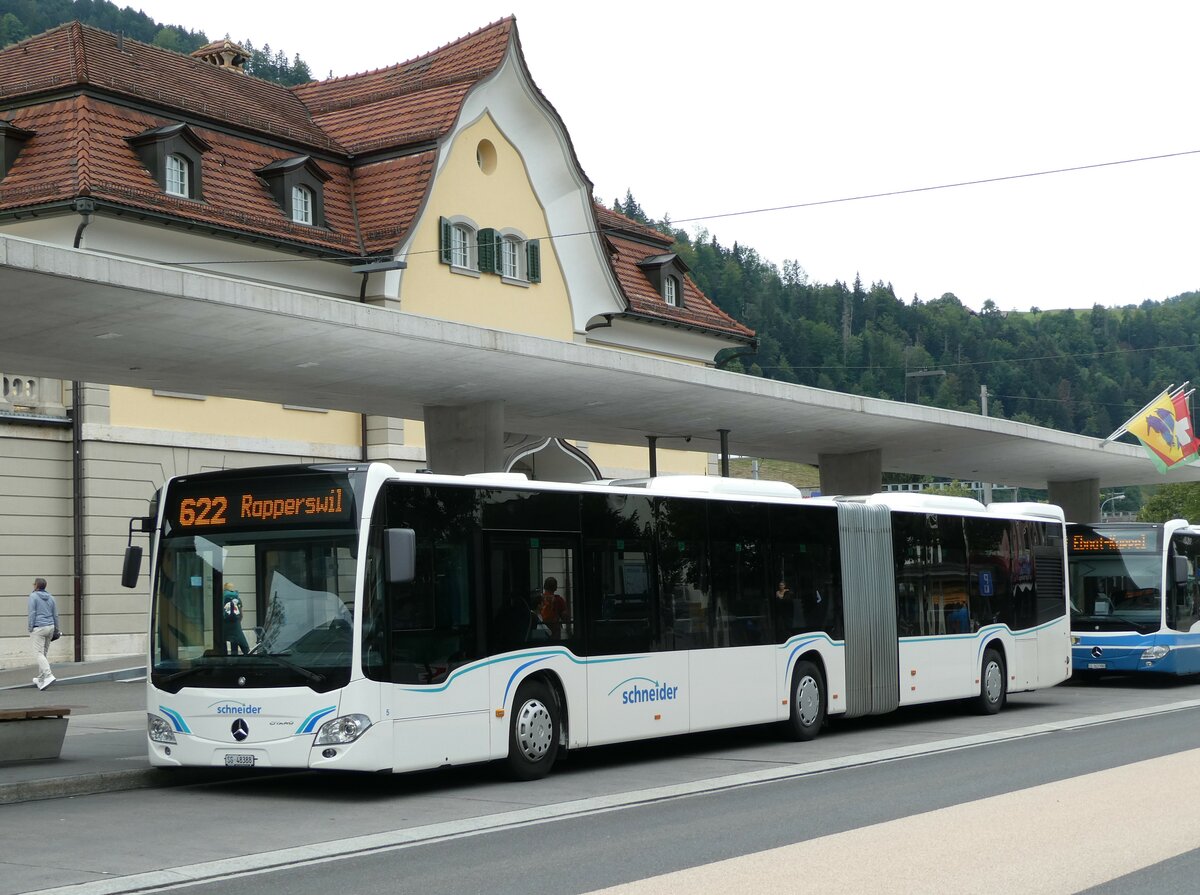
1176, 501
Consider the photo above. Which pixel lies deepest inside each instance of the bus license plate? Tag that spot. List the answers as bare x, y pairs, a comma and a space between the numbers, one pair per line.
239, 760
1096, 665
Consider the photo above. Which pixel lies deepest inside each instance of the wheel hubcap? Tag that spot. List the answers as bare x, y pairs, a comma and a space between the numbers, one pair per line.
808, 700
534, 730
992, 682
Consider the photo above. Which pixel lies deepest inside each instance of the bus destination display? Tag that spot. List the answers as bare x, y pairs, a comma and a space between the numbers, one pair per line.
1111, 540
249, 504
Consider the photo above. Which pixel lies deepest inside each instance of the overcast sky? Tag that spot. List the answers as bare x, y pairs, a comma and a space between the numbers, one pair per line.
706, 109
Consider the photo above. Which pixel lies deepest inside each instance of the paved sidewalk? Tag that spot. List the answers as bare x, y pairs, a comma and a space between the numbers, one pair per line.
105, 746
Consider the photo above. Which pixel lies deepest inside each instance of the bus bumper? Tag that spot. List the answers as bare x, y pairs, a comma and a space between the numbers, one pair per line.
1144, 656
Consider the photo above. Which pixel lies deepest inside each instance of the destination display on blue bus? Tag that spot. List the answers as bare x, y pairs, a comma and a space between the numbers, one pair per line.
302, 501
1112, 539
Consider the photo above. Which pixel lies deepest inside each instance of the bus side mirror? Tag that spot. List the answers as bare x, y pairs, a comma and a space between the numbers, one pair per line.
1181, 569
132, 567
401, 555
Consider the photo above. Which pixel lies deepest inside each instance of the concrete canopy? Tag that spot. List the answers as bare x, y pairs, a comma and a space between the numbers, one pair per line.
81, 315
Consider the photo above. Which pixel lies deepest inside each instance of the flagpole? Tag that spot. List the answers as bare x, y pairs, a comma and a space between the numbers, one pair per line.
1125, 426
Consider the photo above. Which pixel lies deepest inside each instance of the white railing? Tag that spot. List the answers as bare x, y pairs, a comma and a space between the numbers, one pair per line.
31, 394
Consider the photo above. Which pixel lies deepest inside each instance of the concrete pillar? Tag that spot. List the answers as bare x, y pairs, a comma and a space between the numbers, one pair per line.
1080, 500
464, 439
857, 473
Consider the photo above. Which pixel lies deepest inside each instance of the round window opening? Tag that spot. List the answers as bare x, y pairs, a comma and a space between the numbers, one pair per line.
485, 155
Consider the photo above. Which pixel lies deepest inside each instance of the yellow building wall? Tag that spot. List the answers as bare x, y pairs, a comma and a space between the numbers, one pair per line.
142, 409
501, 198
622, 456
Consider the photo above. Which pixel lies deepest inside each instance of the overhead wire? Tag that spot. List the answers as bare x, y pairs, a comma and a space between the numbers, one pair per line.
765, 210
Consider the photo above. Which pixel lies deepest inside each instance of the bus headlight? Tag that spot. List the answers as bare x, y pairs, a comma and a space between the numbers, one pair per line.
1155, 653
345, 729
158, 729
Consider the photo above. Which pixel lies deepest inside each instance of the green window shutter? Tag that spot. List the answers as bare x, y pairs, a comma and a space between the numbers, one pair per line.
444, 241
487, 250
533, 261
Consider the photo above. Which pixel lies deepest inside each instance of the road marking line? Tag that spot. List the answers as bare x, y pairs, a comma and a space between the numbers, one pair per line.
1053, 839
322, 852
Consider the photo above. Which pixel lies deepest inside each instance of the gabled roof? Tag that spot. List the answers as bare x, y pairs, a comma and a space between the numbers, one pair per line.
413, 101
74, 56
632, 244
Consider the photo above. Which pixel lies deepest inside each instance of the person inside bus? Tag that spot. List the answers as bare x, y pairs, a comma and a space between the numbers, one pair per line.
552, 608
231, 612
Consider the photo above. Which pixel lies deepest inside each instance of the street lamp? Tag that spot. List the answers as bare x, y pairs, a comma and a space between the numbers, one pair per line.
916, 375
1108, 500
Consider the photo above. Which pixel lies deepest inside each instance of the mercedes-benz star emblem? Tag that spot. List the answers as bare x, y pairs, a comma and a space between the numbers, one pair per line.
1097, 652
240, 729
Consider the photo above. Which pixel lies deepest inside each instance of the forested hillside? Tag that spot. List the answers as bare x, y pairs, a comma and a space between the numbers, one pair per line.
1083, 371
20, 19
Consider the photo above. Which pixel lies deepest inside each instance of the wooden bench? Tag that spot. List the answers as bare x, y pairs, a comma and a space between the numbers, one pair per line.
32, 734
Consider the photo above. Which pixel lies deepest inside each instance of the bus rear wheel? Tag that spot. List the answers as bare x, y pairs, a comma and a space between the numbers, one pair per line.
992, 680
533, 732
808, 702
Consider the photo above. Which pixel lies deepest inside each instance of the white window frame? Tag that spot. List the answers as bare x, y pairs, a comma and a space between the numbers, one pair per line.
513, 241
671, 290
302, 205
464, 246
178, 176
510, 257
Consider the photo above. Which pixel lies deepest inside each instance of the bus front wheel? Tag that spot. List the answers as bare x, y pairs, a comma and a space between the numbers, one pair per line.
992, 680
533, 732
808, 702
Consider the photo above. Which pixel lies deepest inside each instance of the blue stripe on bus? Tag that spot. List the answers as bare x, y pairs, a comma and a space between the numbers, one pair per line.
307, 725
803, 641
544, 654
176, 719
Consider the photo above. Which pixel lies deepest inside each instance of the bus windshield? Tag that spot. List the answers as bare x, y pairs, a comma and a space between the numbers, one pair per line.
1116, 592
262, 608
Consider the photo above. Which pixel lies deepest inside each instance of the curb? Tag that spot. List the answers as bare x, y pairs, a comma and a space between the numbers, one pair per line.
117, 674
83, 785
122, 781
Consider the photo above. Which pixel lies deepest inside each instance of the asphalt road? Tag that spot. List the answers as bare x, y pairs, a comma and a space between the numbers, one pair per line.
953, 795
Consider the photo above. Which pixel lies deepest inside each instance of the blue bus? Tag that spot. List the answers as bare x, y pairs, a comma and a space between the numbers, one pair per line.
1135, 598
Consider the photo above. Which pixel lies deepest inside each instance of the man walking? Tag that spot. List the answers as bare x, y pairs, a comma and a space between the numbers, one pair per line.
43, 625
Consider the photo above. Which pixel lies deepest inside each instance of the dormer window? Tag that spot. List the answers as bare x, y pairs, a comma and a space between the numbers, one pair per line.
178, 176
666, 272
12, 140
302, 205
297, 185
172, 154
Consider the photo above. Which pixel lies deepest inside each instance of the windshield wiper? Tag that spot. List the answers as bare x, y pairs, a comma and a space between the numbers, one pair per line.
278, 659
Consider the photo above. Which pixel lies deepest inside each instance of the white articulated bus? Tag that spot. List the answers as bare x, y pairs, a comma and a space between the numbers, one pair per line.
352, 617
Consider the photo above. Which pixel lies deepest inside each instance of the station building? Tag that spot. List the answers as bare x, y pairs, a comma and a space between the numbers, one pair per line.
446, 186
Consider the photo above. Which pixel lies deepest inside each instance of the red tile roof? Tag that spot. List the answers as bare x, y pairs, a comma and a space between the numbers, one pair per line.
84, 92
74, 55
632, 242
